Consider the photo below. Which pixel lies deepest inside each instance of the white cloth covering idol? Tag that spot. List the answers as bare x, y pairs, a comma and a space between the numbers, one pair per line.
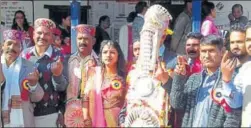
146, 98
12, 90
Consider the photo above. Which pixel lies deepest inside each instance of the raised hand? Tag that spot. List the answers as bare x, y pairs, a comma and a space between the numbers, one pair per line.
161, 74
91, 63
228, 64
57, 67
33, 77
181, 66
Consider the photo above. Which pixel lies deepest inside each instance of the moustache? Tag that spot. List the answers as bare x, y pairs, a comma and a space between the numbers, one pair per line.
83, 45
11, 51
42, 40
192, 51
236, 49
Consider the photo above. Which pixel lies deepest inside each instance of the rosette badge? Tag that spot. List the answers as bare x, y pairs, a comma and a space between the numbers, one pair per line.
116, 84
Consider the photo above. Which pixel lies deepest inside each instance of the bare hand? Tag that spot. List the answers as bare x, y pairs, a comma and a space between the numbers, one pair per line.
91, 63
181, 66
33, 77
161, 74
60, 120
57, 67
228, 65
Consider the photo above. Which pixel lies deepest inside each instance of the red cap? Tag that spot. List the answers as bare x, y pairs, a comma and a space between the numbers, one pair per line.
45, 22
86, 29
13, 35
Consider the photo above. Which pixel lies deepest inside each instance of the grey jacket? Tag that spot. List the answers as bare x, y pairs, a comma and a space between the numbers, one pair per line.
183, 96
183, 25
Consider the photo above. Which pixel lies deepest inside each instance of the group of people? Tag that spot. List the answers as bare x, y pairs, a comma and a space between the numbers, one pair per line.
205, 86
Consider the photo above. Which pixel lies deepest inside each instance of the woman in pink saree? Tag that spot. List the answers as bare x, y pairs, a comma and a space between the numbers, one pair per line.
208, 15
105, 88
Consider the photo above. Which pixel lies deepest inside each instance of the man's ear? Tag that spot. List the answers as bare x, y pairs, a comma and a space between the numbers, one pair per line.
94, 40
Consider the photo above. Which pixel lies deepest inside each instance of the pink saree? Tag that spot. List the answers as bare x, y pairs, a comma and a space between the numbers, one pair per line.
105, 100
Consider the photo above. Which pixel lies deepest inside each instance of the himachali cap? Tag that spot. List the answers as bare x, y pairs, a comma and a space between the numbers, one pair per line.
13, 35
45, 22
86, 29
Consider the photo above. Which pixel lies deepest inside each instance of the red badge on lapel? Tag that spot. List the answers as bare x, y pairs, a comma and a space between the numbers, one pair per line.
25, 90
217, 97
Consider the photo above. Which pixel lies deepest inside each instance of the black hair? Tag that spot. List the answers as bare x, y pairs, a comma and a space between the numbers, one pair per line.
194, 35
140, 6
238, 27
187, 1
131, 17
212, 40
237, 6
121, 60
102, 18
14, 23
64, 16
206, 9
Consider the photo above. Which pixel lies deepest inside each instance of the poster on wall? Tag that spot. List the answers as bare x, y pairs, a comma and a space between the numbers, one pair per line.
224, 8
8, 9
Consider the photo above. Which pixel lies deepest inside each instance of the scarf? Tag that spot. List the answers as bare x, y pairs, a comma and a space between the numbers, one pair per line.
12, 92
98, 118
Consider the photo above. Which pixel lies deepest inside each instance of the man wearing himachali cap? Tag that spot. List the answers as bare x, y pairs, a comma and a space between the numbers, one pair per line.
77, 74
51, 78
21, 85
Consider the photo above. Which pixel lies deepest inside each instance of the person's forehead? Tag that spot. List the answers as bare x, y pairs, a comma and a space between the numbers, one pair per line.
42, 29
84, 35
193, 41
12, 41
136, 44
237, 9
237, 35
19, 14
208, 47
109, 47
248, 31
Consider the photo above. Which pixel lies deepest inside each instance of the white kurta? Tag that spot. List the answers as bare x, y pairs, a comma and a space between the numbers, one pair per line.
12, 88
245, 81
123, 39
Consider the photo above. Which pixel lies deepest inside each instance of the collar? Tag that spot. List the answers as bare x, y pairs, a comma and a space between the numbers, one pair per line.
3, 61
48, 52
209, 18
205, 73
93, 54
140, 15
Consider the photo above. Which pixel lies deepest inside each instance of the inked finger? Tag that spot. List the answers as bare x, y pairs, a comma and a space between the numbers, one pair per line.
225, 56
179, 60
233, 64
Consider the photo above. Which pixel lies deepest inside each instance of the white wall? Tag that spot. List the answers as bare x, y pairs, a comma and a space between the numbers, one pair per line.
8, 9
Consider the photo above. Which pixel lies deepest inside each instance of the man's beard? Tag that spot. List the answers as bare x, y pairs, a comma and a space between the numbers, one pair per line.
240, 56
